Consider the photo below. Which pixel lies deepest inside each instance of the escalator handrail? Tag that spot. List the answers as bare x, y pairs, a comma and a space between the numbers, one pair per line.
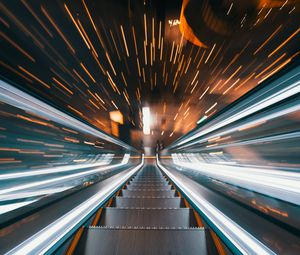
48, 239
236, 238
20, 99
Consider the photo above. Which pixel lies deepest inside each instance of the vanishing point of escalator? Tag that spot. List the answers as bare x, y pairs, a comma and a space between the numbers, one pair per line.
147, 216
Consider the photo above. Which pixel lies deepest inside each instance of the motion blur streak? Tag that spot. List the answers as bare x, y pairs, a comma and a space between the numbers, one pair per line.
17, 98
46, 152
210, 86
55, 181
280, 184
286, 87
45, 239
102, 162
243, 241
253, 145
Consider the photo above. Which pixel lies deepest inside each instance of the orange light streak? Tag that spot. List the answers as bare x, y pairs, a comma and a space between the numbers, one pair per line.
268, 39
93, 24
171, 55
69, 130
114, 104
210, 108
134, 40
87, 37
36, 17
103, 102
71, 140
58, 30
138, 65
84, 82
199, 63
232, 75
285, 42
88, 73
15, 71
161, 48
145, 52
145, 29
231, 86
77, 27
114, 42
124, 40
17, 46
275, 70
91, 101
245, 81
33, 120
73, 109
34, 77
204, 93
215, 87
63, 86
210, 53
269, 66
159, 35
111, 65
96, 59
123, 77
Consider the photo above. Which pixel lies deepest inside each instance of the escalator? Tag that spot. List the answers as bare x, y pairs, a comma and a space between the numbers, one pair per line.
147, 216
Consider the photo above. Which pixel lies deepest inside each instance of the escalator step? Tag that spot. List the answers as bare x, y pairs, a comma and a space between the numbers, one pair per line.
148, 193
174, 202
148, 187
180, 217
143, 175
149, 178
160, 181
140, 241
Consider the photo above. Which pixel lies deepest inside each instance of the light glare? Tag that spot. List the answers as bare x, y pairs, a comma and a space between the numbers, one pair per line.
146, 120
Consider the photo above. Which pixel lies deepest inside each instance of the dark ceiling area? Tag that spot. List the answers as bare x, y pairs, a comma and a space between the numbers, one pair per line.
103, 61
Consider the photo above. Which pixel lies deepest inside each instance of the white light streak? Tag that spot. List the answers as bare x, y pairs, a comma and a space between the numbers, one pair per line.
20, 99
59, 169
46, 238
229, 9
275, 183
269, 100
239, 237
146, 120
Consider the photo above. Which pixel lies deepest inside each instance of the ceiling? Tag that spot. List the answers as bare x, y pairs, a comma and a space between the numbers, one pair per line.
182, 59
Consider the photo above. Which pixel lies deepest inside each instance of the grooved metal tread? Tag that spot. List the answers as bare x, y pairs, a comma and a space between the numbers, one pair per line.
149, 180
177, 217
139, 188
108, 241
155, 193
153, 228
174, 202
148, 183
151, 184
